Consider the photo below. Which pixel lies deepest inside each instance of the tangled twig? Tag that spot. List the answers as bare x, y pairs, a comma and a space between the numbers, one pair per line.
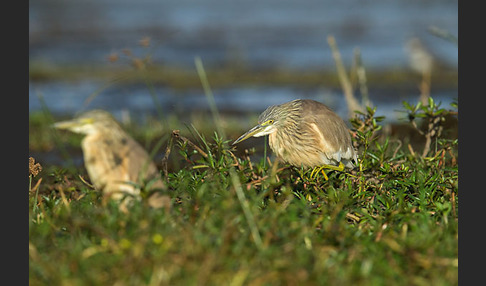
176, 134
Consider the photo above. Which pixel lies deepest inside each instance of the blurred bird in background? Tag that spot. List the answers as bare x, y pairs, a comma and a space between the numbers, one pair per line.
116, 164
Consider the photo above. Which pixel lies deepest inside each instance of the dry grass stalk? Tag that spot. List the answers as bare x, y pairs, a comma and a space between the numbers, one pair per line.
344, 79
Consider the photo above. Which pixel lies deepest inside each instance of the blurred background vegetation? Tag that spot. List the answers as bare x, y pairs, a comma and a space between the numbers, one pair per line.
136, 59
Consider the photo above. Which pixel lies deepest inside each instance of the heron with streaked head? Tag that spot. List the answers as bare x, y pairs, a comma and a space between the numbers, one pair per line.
306, 133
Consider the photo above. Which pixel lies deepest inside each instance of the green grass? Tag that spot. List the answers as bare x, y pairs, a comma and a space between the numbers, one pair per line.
393, 220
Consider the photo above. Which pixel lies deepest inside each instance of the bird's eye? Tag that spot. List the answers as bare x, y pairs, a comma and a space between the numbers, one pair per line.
270, 121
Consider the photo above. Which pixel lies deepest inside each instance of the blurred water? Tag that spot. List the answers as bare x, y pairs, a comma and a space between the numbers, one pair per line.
73, 97
260, 33
269, 32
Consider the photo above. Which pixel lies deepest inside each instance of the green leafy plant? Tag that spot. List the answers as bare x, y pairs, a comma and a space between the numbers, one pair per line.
432, 117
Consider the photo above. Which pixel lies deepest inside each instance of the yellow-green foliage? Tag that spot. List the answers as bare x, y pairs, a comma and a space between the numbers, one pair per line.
233, 220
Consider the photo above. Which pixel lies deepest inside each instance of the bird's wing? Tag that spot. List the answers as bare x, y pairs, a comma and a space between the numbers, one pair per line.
137, 162
333, 132
118, 161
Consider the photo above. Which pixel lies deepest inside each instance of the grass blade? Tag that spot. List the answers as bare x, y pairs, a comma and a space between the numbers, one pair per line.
246, 209
209, 95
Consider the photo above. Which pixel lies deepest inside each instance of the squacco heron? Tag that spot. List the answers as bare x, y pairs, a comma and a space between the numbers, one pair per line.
116, 164
306, 133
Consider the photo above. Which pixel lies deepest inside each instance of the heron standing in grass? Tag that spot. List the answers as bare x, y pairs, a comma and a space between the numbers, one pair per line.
116, 164
306, 133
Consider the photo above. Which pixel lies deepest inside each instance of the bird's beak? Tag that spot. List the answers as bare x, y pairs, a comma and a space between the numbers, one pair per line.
250, 133
65, 124
73, 123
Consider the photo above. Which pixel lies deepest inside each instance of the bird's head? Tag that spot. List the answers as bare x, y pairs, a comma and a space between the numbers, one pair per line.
89, 122
273, 118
